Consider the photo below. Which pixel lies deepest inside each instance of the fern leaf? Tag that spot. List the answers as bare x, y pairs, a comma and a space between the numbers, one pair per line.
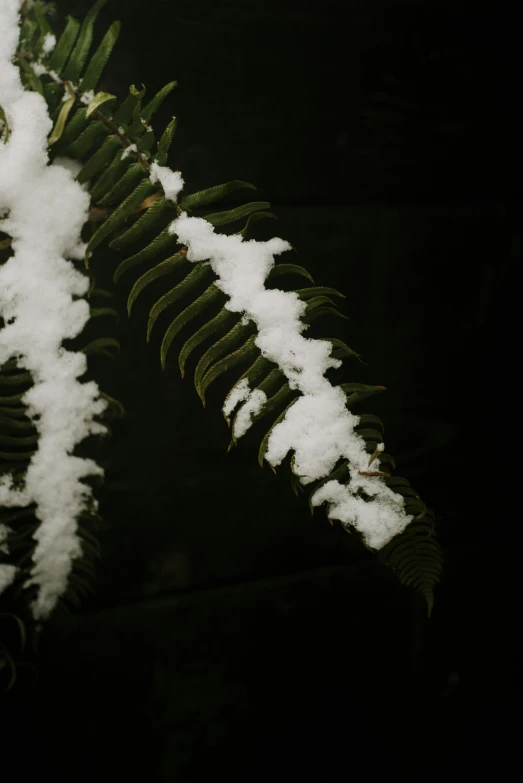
90, 137
199, 273
79, 54
210, 195
119, 216
340, 349
225, 364
32, 79
52, 94
397, 481
99, 312
369, 434
126, 111
282, 395
407, 492
166, 267
356, 392
165, 143
61, 121
15, 380
132, 177
387, 460
255, 218
114, 405
5, 128
100, 347
271, 381
99, 59
309, 293
268, 386
17, 440
98, 100
237, 333
112, 175
44, 28
288, 269
157, 101
10, 423
102, 293
28, 31
155, 213
15, 400
210, 295
164, 241
205, 331
64, 45
100, 159
231, 215
17, 412
315, 302
265, 440
73, 129
16, 456
340, 473
260, 366
319, 312
370, 420
83, 566
417, 559
144, 141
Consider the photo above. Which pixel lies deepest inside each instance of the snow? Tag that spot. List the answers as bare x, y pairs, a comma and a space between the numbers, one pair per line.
171, 181
317, 427
42, 302
42, 299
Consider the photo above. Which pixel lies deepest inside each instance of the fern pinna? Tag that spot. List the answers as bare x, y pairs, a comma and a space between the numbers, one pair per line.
115, 152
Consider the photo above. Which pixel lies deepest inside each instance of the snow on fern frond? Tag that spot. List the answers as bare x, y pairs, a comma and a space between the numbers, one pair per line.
41, 301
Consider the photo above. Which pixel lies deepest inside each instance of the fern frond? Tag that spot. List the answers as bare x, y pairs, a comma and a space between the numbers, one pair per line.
167, 267
125, 186
81, 49
101, 346
231, 215
72, 130
211, 195
265, 440
127, 110
225, 364
118, 217
163, 242
255, 217
236, 334
165, 142
100, 99
215, 324
64, 45
199, 273
210, 295
101, 159
290, 269
157, 101
95, 135
149, 220
111, 175
63, 115
99, 60
92, 136
417, 558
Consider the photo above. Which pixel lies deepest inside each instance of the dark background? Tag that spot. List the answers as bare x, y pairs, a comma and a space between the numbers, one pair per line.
232, 633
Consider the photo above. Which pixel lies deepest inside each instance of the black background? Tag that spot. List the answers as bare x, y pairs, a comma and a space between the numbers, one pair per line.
233, 635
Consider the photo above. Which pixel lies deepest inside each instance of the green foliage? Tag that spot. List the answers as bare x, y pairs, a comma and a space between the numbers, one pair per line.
79, 54
136, 224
